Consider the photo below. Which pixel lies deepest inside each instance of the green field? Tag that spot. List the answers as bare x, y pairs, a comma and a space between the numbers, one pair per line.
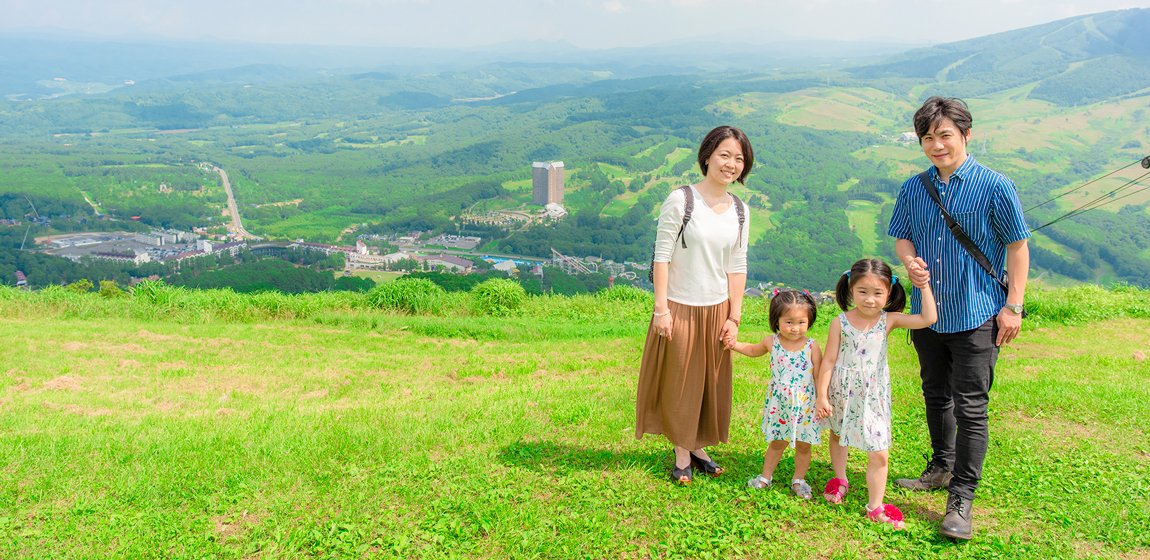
211, 424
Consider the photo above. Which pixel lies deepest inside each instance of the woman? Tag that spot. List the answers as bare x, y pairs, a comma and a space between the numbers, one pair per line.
699, 275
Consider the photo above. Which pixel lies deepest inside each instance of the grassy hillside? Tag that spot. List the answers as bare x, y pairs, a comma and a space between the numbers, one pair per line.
399, 151
183, 424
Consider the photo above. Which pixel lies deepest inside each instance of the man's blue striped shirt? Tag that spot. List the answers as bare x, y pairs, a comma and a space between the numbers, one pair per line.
986, 204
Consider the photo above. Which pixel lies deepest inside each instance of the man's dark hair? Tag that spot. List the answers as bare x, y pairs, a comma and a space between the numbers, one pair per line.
937, 108
715, 137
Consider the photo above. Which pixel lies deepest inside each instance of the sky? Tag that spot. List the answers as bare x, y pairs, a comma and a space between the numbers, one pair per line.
589, 24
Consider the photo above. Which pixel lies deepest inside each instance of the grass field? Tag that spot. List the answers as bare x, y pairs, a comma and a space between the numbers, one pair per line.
863, 215
137, 430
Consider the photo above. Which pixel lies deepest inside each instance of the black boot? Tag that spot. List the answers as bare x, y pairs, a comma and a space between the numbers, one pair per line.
933, 478
956, 524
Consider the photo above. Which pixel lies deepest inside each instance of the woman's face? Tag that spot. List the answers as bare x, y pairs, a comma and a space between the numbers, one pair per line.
726, 163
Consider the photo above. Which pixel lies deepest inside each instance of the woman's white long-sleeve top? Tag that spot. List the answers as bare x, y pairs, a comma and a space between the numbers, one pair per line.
697, 275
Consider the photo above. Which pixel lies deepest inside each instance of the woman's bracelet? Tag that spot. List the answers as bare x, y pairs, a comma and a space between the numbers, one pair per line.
733, 320
663, 314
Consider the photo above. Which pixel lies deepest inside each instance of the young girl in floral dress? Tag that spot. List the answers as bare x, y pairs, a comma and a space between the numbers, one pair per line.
854, 380
789, 411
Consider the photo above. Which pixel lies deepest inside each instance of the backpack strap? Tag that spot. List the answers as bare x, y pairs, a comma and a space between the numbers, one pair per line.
742, 217
688, 207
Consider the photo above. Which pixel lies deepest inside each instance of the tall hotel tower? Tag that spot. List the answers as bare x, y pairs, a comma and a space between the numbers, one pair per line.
547, 182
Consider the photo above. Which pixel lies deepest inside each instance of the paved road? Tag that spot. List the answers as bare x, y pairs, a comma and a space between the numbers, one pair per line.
236, 227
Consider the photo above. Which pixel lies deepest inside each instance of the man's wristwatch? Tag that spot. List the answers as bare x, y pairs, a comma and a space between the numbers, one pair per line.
1015, 307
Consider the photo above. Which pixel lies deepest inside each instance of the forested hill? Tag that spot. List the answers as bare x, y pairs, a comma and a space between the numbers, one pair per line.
314, 151
1073, 61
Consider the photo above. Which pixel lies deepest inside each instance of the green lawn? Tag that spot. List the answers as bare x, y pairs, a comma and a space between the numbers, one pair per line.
862, 215
139, 433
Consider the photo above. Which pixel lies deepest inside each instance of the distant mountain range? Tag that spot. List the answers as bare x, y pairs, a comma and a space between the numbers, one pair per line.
1075, 61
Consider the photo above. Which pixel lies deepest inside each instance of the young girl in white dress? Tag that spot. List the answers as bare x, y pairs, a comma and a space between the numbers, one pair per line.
789, 411
854, 381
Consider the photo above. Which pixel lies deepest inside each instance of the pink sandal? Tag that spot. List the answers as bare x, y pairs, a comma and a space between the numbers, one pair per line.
835, 490
888, 514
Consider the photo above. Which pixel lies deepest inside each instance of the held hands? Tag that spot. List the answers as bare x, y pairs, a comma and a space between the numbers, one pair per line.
919, 275
729, 336
823, 408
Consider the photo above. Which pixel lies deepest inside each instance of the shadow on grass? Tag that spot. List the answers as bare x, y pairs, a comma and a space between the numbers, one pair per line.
560, 459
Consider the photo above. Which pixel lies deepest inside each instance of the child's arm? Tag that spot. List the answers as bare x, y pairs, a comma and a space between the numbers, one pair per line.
753, 350
816, 360
827, 365
926, 318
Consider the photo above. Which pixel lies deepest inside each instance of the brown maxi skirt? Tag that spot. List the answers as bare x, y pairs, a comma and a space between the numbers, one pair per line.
685, 382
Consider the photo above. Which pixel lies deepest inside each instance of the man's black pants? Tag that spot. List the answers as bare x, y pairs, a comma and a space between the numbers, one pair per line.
957, 372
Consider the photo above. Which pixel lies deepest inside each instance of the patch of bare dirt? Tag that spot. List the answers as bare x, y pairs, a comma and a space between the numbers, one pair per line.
77, 409
64, 383
318, 394
234, 526
166, 406
73, 346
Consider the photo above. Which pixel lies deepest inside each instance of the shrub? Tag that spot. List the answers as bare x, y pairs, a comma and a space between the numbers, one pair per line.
626, 294
414, 296
499, 297
81, 286
109, 289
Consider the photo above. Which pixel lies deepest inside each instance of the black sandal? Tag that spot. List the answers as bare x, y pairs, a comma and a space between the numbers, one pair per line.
710, 467
678, 475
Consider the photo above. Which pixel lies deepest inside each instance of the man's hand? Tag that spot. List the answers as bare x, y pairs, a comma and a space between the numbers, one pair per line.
916, 270
1009, 325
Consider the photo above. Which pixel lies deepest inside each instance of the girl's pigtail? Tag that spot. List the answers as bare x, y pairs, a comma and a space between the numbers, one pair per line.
814, 307
843, 291
897, 299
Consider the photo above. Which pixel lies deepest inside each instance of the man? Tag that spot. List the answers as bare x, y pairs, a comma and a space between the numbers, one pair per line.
975, 315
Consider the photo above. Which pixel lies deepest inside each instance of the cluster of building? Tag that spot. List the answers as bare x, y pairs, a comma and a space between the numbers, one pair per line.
163, 246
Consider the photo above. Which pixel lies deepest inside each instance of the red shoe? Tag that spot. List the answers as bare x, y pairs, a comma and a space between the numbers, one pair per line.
835, 490
888, 514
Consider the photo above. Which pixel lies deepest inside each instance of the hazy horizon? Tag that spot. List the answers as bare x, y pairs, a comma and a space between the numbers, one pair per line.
586, 24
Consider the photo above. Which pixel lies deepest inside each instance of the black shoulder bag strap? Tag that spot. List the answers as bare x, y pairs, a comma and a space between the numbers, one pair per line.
956, 230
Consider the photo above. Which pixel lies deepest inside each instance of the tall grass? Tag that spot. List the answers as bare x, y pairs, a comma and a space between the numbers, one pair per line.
159, 301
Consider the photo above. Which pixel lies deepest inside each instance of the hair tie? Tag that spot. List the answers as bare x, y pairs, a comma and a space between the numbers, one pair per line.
847, 273
775, 293
893, 279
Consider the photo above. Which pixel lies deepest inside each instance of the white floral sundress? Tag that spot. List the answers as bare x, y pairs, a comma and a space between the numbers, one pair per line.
789, 409
860, 388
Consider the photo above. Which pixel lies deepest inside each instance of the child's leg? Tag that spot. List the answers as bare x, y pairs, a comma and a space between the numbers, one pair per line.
838, 456
876, 477
836, 487
802, 459
772, 457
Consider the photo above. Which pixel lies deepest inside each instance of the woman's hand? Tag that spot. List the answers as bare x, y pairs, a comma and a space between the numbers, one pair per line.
730, 333
662, 323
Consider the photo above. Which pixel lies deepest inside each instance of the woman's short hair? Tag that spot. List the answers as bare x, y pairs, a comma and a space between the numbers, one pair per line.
715, 137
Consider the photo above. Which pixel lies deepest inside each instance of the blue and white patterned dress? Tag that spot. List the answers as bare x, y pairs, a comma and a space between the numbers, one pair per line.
789, 409
860, 388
